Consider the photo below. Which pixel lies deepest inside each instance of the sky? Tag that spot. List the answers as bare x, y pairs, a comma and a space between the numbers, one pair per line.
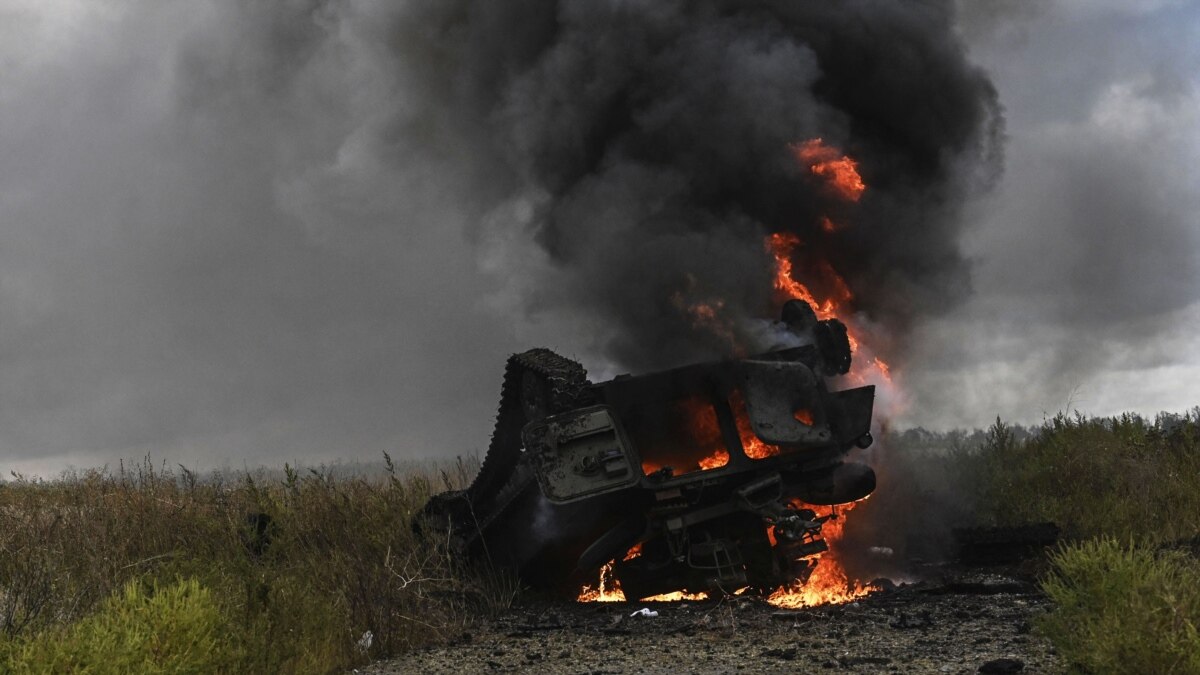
1086, 282
242, 236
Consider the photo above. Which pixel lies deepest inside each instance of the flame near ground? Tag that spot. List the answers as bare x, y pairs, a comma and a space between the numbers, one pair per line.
827, 585
828, 582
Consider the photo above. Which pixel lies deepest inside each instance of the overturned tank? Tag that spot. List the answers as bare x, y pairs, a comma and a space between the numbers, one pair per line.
703, 472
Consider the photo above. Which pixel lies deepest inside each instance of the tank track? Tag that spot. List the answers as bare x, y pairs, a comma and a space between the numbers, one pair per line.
536, 384
565, 382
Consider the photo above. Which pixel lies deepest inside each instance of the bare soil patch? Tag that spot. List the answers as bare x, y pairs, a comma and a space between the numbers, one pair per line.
964, 621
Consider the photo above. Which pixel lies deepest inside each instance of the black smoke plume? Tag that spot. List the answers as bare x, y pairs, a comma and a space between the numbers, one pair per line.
648, 144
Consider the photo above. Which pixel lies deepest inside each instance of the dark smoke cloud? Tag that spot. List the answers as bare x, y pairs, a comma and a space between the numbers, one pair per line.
231, 233
301, 229
651, 144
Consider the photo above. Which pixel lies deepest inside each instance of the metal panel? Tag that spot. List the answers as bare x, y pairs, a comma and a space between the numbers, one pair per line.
580, 454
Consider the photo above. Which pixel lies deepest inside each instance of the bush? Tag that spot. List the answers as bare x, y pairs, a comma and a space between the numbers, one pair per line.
1123, 477
1120, 608
177, 628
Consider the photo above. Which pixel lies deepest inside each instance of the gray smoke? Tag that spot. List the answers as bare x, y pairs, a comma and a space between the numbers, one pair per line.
1087, 277
300, 229
649, 145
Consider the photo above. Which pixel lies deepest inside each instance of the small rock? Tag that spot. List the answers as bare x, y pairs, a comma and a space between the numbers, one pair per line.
852, 661
1002, 667
921, 620
785, 654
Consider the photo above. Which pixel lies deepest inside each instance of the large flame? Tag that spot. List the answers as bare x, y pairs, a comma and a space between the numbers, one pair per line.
828, 583
842, 180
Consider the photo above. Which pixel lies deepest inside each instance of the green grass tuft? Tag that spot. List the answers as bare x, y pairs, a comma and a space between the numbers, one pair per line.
177, 628
1121, 608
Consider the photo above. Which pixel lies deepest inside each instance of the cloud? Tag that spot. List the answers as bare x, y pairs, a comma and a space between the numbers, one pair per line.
314, 230
1086, 272
212, 253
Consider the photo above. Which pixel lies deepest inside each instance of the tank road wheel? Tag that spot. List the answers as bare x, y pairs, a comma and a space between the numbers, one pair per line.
834, 344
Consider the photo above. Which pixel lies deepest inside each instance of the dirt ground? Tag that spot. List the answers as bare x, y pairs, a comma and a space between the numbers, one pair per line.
967, 621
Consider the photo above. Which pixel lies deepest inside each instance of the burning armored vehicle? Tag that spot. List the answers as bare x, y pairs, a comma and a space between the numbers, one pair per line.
696, 478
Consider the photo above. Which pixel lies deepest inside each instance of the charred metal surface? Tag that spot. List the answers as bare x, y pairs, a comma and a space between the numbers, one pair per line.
703, 468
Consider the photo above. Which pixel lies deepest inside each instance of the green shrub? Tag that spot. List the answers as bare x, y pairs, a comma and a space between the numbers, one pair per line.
176, 628
1121, 608
1123, 477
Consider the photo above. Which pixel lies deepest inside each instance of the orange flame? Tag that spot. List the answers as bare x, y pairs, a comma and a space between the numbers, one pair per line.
708, 316
607, 588
828, 584
839, 171
751, 443
703, 432
782, 247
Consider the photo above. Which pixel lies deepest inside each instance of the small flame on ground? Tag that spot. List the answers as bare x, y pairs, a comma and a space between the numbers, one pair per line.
828, 584
607, 589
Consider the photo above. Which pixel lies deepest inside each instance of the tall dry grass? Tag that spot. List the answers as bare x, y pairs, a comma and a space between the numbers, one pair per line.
303, 568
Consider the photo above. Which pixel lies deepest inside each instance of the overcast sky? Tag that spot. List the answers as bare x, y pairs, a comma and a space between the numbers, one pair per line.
235, 237
1086, 275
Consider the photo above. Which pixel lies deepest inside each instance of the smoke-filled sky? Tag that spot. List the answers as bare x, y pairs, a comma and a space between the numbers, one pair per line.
308, 231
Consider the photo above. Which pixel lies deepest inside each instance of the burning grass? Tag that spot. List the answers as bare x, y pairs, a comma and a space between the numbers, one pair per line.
284, 575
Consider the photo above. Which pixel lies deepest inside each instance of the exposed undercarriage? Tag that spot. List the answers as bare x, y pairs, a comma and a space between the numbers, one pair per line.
698, 478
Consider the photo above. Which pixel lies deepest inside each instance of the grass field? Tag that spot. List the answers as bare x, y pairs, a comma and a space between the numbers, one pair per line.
148, 570
145, 569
